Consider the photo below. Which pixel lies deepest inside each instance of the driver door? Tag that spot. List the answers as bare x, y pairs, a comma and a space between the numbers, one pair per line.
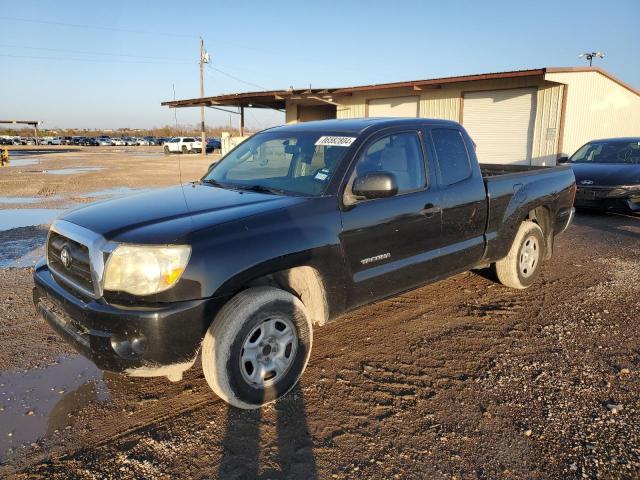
389, 243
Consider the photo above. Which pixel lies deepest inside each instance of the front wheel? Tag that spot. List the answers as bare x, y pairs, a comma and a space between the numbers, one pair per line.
166, 150
521, 267
184, 149
257, 347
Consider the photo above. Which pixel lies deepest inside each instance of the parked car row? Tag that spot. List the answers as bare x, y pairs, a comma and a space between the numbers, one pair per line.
190, 145
178, 144
8, 140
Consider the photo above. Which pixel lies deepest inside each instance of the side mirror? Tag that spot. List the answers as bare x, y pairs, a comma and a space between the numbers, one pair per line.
375, 185
562, 159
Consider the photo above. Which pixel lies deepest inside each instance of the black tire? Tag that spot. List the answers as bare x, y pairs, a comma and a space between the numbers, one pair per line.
184, 149
224, 342
521, 267
166, 150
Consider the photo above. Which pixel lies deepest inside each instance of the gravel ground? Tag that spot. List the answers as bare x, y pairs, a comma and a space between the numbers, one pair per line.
460, 379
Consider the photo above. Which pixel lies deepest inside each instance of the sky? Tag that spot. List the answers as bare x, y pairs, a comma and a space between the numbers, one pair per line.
106, 65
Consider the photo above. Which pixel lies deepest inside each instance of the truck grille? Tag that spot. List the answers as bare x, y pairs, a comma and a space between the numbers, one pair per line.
76, 270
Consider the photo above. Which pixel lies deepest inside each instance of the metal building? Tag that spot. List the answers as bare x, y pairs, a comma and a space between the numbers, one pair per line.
519, 117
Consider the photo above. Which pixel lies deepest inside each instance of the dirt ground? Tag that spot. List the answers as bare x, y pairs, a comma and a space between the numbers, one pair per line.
460, 379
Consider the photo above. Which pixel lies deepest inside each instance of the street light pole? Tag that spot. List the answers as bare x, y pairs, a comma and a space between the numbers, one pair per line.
590, 56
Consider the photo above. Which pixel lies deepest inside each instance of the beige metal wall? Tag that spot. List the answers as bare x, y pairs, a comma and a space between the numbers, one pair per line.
447, 103
596, 107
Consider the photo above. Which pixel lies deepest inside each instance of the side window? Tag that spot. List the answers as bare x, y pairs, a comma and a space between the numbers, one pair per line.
452, 155
399, 154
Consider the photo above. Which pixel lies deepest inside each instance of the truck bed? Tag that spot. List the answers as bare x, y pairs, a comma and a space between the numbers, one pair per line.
495, 169
514, 190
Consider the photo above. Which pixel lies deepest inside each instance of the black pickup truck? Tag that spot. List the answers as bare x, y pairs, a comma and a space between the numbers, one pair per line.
294, 227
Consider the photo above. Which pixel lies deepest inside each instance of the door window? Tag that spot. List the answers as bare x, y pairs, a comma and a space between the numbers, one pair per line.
399, 154
453, 158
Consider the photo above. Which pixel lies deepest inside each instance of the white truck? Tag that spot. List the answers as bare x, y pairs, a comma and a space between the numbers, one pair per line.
183, 145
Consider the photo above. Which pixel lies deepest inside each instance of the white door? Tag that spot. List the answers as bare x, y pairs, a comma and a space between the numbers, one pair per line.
501, 123
394, 107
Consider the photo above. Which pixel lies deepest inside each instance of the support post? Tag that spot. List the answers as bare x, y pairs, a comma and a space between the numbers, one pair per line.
242, 121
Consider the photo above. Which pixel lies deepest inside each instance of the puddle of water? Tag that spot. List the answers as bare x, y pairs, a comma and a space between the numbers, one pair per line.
28, 200
22, 247
22, 162
114, 192
29, 259
73, 171
16, 218
20, 200
40, 401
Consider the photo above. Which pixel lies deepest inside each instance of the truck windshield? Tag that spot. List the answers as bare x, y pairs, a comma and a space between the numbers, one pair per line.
299, 163
614, 151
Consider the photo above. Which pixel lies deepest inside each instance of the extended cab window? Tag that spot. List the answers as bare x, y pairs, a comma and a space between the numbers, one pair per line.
453, 158
399, 154
301, 163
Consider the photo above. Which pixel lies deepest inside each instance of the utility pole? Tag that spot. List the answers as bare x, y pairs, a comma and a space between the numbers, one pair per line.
204, 58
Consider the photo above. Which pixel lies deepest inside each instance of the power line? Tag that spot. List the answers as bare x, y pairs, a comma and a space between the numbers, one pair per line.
67, 59
237, 79
85, 52
98, 27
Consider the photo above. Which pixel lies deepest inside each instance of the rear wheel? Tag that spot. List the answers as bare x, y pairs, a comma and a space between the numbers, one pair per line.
166, 150
257, 347
521, 267
184, 149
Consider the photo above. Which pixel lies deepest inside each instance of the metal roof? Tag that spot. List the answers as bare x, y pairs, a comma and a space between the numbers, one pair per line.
276, 99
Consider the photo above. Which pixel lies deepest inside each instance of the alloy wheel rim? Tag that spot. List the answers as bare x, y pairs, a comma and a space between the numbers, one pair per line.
268, 351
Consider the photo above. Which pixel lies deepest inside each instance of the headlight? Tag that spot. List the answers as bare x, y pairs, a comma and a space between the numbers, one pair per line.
143, 270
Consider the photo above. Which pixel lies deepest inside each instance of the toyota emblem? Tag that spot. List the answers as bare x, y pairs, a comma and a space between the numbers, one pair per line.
65, 257
586, 182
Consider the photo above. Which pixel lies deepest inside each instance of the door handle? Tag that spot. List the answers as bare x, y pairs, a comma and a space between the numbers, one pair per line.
430, 209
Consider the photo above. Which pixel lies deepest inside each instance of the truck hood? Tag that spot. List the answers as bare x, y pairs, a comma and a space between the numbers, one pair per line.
167, 215
606, 174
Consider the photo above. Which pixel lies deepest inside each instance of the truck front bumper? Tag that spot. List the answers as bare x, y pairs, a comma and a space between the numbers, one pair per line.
159, 340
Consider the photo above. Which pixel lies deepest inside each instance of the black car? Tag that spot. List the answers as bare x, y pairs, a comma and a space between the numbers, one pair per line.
90, 142
213, 144
608, 174
294, 227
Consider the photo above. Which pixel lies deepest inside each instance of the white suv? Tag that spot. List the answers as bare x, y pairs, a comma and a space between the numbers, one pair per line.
183, 145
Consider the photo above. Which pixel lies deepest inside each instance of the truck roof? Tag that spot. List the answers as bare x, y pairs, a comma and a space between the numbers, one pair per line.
358, 125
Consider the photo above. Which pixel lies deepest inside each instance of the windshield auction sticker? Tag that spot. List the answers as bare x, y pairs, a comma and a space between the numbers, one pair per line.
336, 141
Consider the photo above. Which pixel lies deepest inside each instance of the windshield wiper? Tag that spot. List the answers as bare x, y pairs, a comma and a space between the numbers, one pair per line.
259, 189
213, 182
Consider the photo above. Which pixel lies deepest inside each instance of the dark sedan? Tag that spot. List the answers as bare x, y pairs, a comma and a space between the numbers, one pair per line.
608, 174
213, 144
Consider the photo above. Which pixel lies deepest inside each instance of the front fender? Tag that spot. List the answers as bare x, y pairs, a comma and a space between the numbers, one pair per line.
228, 257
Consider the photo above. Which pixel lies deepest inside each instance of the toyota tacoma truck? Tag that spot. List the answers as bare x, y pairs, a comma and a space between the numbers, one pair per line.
293, 228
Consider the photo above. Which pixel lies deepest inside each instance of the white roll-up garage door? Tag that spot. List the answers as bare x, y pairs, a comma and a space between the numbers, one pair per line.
394, 107
501, 124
